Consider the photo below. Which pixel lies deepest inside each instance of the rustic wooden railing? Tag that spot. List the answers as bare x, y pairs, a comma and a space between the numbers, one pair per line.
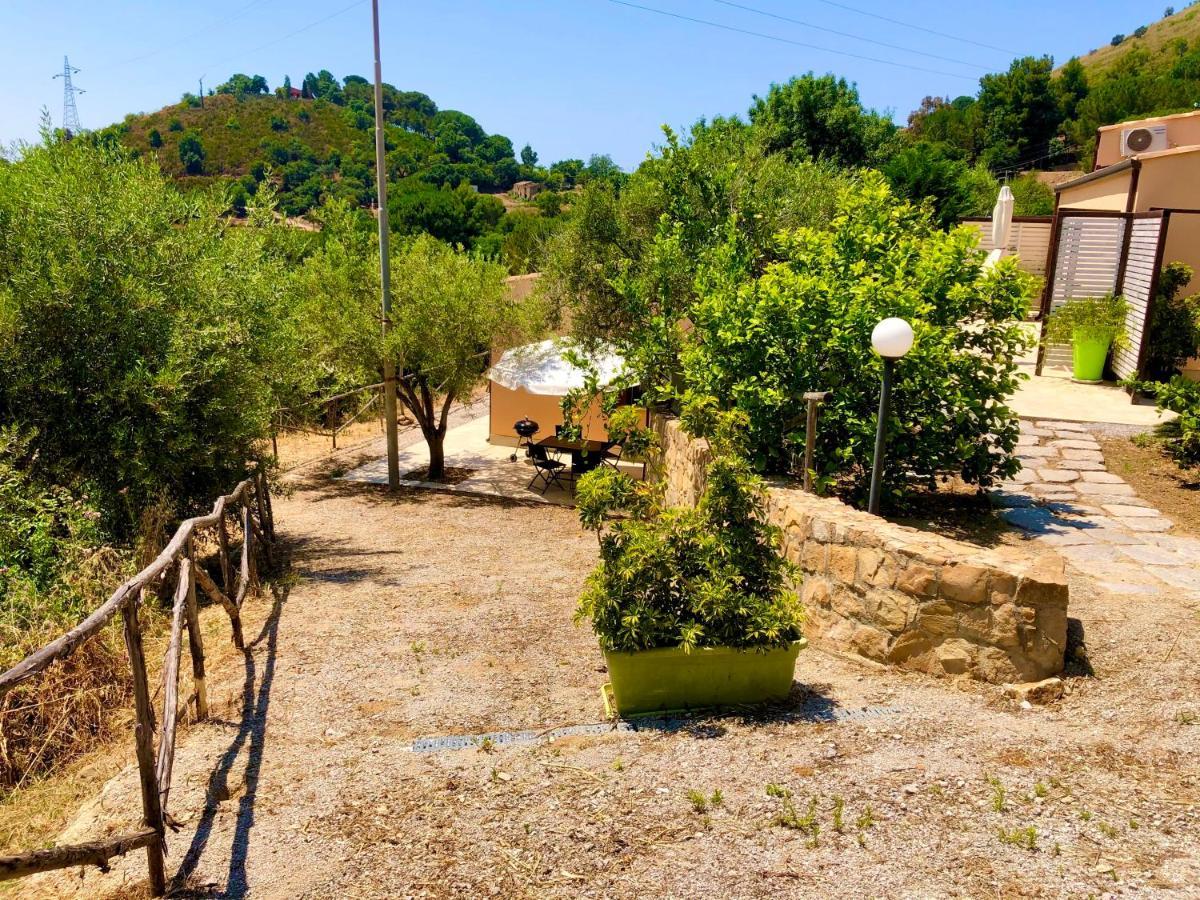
285, 418
250, 505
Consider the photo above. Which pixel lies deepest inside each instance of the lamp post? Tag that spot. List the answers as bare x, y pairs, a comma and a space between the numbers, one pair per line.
891, 339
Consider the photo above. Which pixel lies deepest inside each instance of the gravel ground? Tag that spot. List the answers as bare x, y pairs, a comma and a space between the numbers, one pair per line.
426, 614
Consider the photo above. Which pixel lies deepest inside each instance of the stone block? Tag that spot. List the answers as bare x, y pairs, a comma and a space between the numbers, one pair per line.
908, 645
889, 610
843, 562
917, 580
964, 583
869, 561
870, 642
1102, 478
1073, 453
813, 556
1087, 489
955, 657
815, 593
1075, 444
1041, 692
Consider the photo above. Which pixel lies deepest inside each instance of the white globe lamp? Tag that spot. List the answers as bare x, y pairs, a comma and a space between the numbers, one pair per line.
891, 339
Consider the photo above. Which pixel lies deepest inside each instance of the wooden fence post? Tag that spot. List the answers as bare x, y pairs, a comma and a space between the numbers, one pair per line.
223, 540
250, 569
195, 641
144, 737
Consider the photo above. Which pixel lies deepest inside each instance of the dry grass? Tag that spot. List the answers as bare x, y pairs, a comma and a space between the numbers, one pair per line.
1184, 24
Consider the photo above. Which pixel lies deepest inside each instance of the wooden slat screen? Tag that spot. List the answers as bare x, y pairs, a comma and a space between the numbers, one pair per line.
1029, 241
1089, 257
1139, 282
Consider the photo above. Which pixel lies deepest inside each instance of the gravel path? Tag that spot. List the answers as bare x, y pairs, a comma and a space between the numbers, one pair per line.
1066, 498
427, 614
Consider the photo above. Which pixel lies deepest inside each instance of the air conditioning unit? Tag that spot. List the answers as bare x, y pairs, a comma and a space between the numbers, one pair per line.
1143, 140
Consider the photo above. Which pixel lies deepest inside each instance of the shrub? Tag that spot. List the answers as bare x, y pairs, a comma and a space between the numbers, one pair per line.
155, 138
1174, 324
141, 341
174, 125
804, 324
1117, 40
1180, 395
278, 123
191, 153
704, 577
1088, 318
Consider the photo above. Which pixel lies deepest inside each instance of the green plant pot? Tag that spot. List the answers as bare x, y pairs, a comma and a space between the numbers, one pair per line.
667, 678
1088, 355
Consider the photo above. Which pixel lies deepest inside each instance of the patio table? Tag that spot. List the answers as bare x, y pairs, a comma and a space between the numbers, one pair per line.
585, 455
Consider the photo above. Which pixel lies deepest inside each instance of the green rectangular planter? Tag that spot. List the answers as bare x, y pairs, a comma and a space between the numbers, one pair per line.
668, 678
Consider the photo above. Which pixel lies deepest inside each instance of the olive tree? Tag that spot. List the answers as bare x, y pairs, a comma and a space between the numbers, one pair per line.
449, 310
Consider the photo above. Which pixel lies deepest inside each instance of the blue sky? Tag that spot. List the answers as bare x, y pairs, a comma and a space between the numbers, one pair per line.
572, 77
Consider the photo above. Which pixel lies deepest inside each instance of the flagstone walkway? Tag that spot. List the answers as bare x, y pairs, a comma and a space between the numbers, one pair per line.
1064, 497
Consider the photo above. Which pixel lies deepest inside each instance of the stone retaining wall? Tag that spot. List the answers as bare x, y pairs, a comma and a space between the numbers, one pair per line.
897, 595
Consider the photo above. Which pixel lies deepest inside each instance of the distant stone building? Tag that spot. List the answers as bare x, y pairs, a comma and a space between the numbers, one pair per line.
527, 190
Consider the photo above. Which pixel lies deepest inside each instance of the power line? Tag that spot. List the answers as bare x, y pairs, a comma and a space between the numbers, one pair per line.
291, 34
847, 34
942, 34
225, 20
783, 40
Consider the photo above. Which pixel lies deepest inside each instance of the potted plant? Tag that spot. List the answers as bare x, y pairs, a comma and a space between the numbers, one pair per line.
1093, 326
692, 606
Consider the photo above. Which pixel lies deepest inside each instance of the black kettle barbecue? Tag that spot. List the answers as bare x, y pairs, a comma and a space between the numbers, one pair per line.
525, 428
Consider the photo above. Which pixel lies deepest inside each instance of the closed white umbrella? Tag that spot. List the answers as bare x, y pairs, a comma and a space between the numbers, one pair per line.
1002, 216
544, 369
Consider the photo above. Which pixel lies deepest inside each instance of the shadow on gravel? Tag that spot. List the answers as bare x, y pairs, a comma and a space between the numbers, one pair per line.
251, 736
1076, 661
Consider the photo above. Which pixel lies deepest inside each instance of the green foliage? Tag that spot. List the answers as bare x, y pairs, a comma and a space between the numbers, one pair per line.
1089, 318
45, 533
627, 260
143, 344
935, 173
191, 153
804, 324
822, 118
244, 85
1174, 324
1180, 395
1020, 110
154, 138
448, 310
704, 577
1031, 197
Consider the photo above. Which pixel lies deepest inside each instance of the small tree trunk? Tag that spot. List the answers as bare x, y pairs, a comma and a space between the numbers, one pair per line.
437, 455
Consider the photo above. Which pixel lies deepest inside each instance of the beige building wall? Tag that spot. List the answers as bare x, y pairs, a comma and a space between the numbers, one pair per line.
1169, 181
1183, 130
1111, 193
507, 406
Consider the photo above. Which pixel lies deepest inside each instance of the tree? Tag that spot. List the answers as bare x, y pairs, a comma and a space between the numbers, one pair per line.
1072, 87
805, 323
154, 138
528, 157
144, 346
191, 153
241, 85
1020, 112
627, 261
932, 172
285, 91
822, 118
448, 311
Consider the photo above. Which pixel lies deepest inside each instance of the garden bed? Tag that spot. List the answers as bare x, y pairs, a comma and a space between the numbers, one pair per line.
1156, 477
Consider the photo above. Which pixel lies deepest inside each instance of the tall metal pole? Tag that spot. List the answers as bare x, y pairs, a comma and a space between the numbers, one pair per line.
385, 267
885, 396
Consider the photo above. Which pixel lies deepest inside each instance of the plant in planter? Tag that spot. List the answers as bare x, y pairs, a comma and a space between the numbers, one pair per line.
692, 606
1093, 326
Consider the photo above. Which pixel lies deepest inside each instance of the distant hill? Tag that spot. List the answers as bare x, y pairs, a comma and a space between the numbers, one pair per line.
236, 132
1161, 41
318, 141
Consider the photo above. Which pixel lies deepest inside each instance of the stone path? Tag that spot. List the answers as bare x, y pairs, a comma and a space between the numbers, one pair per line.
1065, 498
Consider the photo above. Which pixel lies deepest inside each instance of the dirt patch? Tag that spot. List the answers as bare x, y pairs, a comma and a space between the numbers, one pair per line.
959, 511
1156, 477
451, 475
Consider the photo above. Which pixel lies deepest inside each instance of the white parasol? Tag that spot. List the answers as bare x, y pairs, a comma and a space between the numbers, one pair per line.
542, 368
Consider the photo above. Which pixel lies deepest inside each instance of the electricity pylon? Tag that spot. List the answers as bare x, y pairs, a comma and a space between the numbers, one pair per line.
70, 113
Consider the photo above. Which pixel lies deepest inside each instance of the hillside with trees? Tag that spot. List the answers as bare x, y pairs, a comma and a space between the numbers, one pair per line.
315, 143
1037, 116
